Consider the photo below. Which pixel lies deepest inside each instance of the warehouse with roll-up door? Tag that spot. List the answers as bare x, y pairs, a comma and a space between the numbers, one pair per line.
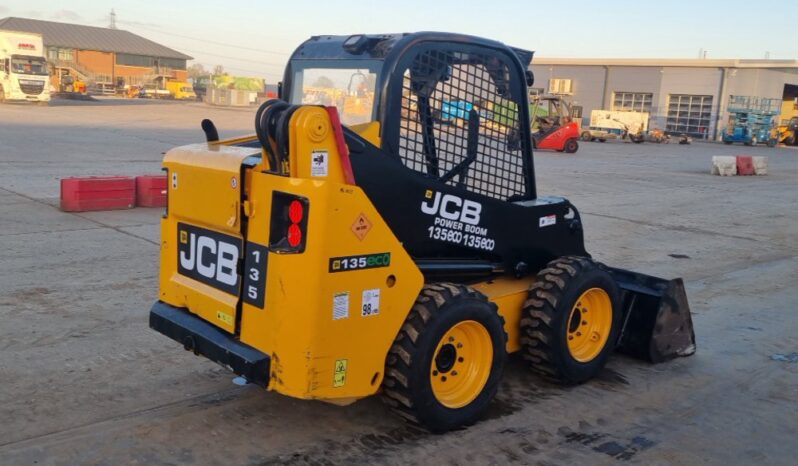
104, 58
682, 96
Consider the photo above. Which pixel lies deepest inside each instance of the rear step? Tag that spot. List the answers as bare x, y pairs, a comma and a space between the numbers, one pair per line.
203, 338
657, 324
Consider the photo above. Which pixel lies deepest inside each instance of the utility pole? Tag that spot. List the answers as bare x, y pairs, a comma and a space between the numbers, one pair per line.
112, 23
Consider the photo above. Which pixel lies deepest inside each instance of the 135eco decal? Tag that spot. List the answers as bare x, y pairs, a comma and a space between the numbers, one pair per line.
361, 262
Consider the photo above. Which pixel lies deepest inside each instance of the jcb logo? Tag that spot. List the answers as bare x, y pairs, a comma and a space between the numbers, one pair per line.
209, 257
451, 207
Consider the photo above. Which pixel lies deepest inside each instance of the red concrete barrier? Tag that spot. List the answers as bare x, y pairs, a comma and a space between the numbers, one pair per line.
97, 193
151, 191
745, 165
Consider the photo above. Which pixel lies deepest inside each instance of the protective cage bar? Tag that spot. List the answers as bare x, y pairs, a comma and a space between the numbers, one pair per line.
444, 95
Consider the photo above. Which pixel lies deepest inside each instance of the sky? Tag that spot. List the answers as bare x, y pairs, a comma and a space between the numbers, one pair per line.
255, 38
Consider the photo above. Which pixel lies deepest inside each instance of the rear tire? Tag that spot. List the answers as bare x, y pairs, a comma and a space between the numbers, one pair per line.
445, 365
571, 320
586, 136
602, 140
571, 146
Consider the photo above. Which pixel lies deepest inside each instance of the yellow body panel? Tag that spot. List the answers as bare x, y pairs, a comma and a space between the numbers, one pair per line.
298, 326
509, 294
322, 342
368, 131
203, 190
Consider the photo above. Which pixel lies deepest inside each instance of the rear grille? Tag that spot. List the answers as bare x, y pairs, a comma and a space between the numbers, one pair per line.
441, 91
32, 89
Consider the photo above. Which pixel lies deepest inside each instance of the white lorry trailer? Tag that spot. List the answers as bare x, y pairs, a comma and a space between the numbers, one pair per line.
23, 68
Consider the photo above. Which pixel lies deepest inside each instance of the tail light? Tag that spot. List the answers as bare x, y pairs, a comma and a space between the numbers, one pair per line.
166, 209
289, 223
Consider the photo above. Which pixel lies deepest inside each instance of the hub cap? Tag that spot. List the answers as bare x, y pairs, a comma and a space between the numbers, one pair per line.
589, 324
461, 365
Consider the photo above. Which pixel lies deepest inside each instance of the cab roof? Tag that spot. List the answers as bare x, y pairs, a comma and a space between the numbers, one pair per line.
380, 46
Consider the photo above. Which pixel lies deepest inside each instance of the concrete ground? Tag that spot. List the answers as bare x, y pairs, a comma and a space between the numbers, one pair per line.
84, 381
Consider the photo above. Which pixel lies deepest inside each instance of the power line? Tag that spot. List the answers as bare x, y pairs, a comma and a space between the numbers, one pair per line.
254, 62
223, 44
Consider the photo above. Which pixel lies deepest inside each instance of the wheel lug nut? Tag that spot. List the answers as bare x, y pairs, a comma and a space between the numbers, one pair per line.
451, 339
459, 345
434, 372
584, 322
443, 378
454, 372
579, 334
570, 337
460, 359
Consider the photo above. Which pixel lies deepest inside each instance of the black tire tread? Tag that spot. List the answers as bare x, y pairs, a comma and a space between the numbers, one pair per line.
431, 299
537, 333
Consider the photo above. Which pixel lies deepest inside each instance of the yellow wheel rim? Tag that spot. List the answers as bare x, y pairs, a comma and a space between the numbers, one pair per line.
589, 324
461, 364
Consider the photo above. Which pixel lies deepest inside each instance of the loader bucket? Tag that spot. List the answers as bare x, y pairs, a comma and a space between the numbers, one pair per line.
656, 317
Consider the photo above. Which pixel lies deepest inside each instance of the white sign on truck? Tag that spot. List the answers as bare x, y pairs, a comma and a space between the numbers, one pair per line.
23, 68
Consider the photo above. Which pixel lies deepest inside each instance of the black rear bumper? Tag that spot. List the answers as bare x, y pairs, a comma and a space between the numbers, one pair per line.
204, 339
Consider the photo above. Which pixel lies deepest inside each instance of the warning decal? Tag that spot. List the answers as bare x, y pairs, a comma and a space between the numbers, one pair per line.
341, 305
361, 227
339, 377
319, 161
547, 221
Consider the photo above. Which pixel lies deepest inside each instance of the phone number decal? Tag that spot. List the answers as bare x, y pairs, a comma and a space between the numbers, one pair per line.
463, 239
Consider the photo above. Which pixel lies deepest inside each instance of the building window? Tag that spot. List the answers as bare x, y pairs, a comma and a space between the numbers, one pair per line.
632, 101
689, 114
127, 59
57, 54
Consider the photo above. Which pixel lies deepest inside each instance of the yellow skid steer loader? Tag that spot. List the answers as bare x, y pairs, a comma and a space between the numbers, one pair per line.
329, 260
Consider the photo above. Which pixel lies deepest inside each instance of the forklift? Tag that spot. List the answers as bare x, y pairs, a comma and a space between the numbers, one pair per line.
555, 124
327, 259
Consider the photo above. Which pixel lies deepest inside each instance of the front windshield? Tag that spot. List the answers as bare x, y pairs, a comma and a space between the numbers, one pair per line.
351, 90
29, 65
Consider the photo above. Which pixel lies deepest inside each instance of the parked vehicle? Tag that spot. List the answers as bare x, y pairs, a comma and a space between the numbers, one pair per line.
553, 126
610, 124
181, 90
750, 120
23, 68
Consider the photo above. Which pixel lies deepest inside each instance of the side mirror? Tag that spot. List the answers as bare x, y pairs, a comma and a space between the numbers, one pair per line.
530, 78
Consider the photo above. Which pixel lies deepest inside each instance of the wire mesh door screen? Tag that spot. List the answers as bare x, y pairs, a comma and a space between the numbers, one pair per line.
459, 123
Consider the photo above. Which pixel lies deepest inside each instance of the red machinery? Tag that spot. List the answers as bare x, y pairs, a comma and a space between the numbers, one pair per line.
553, 125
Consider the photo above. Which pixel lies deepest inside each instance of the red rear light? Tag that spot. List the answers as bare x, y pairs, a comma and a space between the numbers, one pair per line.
289, 223
296, 211
294, 235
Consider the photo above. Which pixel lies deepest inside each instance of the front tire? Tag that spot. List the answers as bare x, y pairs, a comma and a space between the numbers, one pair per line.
445, 365
571, 320
571, 146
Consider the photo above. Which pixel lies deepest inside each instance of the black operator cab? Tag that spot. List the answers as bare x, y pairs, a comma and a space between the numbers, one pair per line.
452, 169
